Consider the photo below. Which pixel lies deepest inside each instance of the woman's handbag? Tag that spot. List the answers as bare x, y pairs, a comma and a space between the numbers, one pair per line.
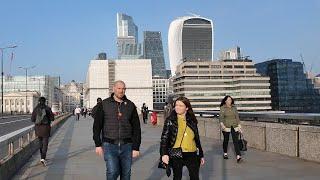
176, 153
242, 143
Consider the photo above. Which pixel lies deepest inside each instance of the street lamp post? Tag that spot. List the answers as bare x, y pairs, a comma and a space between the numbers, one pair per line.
26, 69
2, 49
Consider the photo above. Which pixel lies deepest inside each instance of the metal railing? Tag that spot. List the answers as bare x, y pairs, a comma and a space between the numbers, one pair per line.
272, 117
14, 141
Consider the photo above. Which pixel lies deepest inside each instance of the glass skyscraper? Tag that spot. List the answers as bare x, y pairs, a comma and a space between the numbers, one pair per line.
291, 90
153, 49
127, 38
190, 38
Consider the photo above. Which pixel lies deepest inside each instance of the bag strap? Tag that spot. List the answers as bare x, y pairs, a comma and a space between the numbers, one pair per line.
183, 134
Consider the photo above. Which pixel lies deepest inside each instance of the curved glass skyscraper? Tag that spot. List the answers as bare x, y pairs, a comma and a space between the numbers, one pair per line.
190, 38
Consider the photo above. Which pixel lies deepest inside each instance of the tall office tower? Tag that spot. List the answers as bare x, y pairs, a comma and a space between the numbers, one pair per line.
127, 38
153, 49
190, 38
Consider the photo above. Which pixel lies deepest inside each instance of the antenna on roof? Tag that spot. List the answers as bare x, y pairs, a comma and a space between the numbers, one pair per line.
304, 66
193, 14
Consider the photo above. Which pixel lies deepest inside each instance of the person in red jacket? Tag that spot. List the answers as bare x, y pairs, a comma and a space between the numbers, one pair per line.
154, 118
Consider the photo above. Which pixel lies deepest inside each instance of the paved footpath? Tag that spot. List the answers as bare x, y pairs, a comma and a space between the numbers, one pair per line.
71, 156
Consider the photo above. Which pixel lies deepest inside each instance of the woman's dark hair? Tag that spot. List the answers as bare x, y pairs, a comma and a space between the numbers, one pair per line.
223, 102
41, 104
186, 102
42, 100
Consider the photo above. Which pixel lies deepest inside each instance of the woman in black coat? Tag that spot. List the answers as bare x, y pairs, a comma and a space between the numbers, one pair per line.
180, 130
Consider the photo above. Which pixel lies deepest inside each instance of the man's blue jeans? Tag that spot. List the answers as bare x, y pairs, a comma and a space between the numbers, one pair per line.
118, 160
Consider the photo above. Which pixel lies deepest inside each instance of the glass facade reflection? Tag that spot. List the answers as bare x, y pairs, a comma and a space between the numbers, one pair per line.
291, 90
153, 49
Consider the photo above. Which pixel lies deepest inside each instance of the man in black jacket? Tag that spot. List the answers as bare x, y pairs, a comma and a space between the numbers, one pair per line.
119, 123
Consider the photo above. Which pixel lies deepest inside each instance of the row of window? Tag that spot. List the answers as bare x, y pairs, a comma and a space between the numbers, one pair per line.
223, 83
217, 66
238, 105
228, 93
236, 99
220, 88
218, 72
15, 102
211, 77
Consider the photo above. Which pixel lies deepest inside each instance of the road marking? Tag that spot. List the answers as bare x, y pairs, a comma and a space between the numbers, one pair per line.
14, 121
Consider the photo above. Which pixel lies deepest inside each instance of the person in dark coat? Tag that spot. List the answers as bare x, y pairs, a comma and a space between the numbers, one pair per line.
144, 112
180, 132
42, 116
97, 107
117, 133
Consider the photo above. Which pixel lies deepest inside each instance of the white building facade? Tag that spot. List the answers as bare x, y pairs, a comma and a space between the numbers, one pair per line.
137, 75
15, 102
44, 85
72, 93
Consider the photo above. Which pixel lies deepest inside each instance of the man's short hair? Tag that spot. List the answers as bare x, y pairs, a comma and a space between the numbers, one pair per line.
118, 81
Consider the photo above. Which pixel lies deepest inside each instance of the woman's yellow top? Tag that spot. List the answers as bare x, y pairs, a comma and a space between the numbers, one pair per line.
188, 143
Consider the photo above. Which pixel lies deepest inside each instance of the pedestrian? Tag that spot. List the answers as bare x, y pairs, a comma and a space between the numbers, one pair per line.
42, 117
81, 111
180, 137
77, 112
119, 123
85, 111
144, 112
230, 123
97, 107
154, 118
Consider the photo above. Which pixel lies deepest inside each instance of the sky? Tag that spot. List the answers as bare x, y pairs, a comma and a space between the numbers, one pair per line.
60, 37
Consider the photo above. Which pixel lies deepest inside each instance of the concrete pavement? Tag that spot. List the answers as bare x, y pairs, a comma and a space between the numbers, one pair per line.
71, 156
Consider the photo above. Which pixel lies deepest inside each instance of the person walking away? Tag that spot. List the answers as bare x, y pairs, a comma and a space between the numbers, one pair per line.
42, 117
117, 133
77, 112
230, 123
180, 134
144, 112
97, 107
85, 111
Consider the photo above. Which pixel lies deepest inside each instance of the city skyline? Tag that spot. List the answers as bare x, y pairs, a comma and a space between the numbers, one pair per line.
59, 36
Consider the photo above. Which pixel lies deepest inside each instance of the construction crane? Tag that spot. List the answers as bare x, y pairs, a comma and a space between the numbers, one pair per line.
309, 73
